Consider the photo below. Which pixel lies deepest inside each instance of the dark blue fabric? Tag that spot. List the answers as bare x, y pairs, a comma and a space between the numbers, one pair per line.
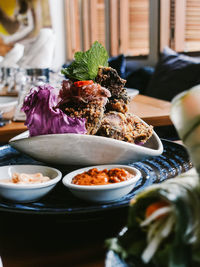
118, 63
65, 65
173, 74
137, 79
140, 78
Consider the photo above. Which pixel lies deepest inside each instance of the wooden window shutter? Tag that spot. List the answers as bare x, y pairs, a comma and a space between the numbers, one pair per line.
93, 21
72, 27
128, 26
192, 25
101, 22
172, 24
85, 23
179, 27
182, 18
165, 25
139, 27
124, 26
114, 27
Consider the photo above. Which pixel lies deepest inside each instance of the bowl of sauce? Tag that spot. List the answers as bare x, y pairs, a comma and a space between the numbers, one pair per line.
103, 183
26, 178
102, 177
27, 183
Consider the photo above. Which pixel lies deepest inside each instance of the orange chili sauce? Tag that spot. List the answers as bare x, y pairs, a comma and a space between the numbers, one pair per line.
96, 177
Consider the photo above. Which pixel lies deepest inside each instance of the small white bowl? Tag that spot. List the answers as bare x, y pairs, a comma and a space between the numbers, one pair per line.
102, 193
24, 193
132, 92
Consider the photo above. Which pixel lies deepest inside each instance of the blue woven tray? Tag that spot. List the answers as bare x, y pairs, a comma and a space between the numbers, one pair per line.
172, 162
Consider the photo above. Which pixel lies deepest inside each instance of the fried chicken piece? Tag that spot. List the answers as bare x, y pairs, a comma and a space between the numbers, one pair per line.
125, 127
85, 102
117, 104
109, 78
93, 112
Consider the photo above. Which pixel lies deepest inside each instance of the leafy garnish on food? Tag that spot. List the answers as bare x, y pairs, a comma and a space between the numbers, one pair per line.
85, 66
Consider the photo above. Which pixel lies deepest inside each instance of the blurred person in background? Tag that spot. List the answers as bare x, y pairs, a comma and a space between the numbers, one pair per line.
21, 20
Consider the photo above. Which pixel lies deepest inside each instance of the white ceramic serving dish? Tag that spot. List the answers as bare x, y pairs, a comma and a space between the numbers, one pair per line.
79, 149
28, 192
132, 92
102, 193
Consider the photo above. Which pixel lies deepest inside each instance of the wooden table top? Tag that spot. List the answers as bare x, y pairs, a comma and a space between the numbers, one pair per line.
153, 111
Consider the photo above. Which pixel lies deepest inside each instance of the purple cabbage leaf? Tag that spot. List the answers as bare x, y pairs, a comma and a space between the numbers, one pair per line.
43, 117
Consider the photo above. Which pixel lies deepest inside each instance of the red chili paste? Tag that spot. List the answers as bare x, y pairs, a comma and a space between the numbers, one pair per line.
96, 177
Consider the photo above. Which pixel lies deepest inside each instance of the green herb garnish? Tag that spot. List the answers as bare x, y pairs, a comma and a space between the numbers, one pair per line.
86, 64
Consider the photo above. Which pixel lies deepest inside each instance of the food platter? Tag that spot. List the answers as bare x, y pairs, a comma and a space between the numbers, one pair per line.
85, 121
79, 149
173, 161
